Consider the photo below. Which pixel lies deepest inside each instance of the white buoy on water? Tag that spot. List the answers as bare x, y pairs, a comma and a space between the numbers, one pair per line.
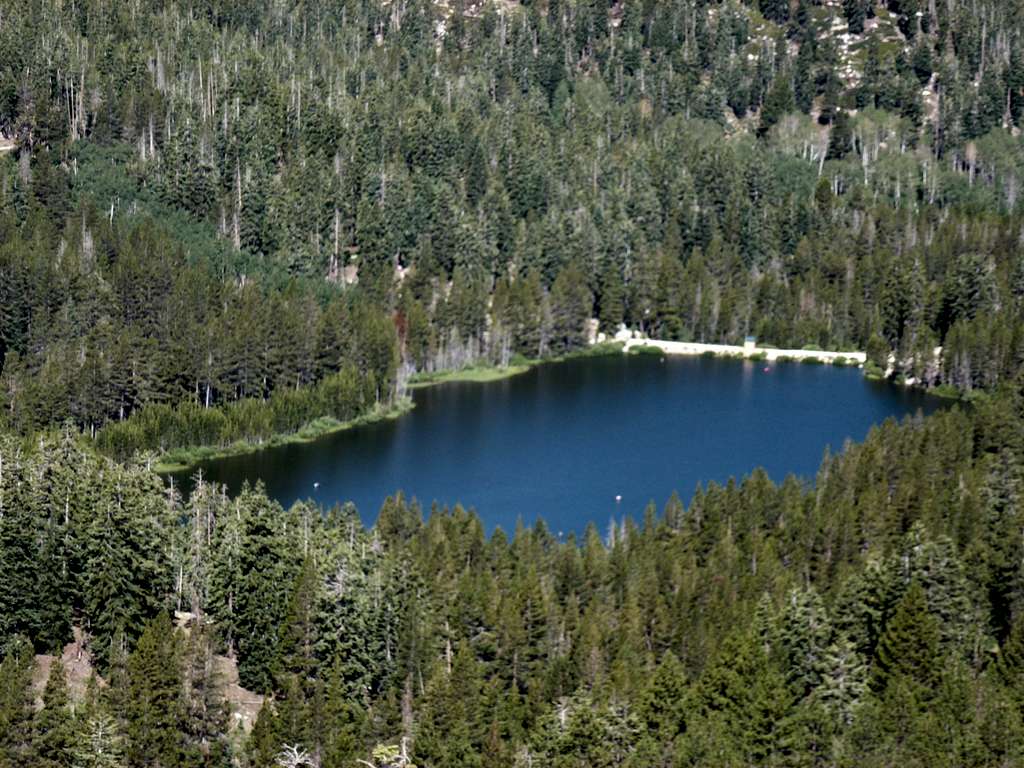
316, 485
618, 498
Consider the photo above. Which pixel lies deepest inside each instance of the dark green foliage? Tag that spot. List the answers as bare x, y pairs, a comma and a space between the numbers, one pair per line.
743, 700
1009, 666
124, 550
450, 732
582, 733
176, 265
571, 305
840, 138
154, 698
53, 730
775, 10
777, 103
16, 702
908, 651
803, 635
855, 12
226, 221
866, 618
259, 601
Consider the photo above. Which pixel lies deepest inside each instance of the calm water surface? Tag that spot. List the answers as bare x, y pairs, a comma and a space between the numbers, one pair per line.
563, 440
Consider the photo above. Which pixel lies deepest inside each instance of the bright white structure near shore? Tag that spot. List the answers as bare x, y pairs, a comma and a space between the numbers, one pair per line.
747, 350
631, 339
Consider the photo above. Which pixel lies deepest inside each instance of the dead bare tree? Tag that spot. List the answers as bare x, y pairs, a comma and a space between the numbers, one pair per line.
294, 756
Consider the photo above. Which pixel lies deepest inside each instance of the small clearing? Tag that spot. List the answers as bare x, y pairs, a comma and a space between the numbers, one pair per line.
77, 668
245, 705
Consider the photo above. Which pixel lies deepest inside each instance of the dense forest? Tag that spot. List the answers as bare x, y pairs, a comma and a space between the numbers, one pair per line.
222, 220
874, 620
212, 202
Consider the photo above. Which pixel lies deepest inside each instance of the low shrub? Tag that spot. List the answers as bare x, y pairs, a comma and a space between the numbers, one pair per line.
873, 371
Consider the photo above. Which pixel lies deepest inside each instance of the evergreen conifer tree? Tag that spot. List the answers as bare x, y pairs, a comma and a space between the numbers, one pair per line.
16, 702
777, 103
804, 632
154, 698
844, 677
99, 743
54, 726
909, 647
855, 13
1009, 666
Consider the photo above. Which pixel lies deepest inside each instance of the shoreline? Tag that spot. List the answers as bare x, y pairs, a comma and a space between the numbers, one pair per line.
183, 459
483, 374
746, 352
480, 374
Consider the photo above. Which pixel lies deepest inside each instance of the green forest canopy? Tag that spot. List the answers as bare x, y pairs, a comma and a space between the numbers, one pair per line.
221, 220
194, 187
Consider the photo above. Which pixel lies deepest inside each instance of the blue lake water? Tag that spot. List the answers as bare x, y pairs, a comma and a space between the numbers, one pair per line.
563, 440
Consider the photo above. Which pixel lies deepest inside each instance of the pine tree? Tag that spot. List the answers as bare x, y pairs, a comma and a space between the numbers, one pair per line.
777, 103
840, 141
205, 717
343, 720
804, 87
662, 711
745, 695
263, 744
571, 305
844, 677
804, 632
855, 13
909, 646
19, 560
154, 697
298, 637
35, 595
935, 565
113, 699
124, 552
260, 597
581, 732
775, 10
1009, 666
807, 735
612, 296
970, 288
54, 726
226, 575
295, 720
16, 703
1001, 547
449, 731
100, 743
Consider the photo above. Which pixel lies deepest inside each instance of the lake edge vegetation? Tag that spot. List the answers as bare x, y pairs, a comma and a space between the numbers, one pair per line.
221, 220
872, 617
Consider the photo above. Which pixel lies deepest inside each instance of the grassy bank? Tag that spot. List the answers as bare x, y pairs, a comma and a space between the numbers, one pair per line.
518, 365
595, 350
181, 459
475, 373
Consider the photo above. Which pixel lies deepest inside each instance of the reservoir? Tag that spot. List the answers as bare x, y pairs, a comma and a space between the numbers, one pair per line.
564, 440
